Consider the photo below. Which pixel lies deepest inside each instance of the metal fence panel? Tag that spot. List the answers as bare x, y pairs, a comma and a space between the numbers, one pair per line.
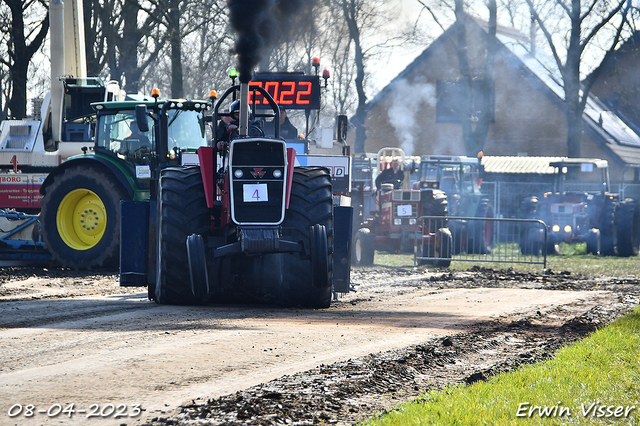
439, 240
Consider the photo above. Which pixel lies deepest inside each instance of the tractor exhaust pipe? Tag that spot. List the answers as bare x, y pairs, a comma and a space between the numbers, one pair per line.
244, 110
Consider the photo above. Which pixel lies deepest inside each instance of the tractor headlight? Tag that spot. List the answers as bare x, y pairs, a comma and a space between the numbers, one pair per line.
238, 173
555, 228
567, 229
277, 173
397, 222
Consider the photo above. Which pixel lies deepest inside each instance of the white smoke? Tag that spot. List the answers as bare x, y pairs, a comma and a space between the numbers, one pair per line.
408, 100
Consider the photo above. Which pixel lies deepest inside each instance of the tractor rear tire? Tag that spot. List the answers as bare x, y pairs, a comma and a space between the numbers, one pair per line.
81, 218
363, 248
627, 219
608, 229
433, 202
182, 211
310, 203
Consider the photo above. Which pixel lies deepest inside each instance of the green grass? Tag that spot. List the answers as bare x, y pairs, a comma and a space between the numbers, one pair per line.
572, 258
603, 369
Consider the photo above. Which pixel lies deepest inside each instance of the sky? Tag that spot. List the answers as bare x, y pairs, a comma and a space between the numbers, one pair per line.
387, 68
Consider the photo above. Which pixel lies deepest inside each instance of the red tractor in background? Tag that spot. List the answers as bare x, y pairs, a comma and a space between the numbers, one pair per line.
395, 223
257, 229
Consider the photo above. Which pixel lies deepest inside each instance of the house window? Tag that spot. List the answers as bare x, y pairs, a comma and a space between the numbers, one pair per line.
450, 97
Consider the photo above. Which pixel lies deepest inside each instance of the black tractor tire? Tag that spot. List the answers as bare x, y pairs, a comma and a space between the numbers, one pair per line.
182, 211
531, 242
440, 245
363, 248
593, 241
319, 256
481, 232
608, 229
627, 219
527, 231
80, 218
444, 243
458, 230
553, 247
310, 203
433, 202
198, 274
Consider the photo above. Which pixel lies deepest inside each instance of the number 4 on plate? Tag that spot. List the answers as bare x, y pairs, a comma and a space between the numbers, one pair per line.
255, 193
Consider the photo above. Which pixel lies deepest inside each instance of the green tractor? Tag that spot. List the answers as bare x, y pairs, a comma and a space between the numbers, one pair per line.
80, 213
461, 179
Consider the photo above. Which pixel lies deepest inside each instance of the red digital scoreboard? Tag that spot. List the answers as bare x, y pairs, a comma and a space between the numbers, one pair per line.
292, 91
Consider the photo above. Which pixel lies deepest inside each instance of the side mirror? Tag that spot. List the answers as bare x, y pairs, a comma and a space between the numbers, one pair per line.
141, 118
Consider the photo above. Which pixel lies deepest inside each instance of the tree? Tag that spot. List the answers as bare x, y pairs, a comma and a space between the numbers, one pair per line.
25, 28
123, 37
352, 10
475, 85
476, 98
579, 28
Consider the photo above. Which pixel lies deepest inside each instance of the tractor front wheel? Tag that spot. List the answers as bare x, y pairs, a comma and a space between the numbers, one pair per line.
363, 248
81, 218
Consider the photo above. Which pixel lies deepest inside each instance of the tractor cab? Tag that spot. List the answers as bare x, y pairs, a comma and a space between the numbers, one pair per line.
461, 179
457, 176
130, 131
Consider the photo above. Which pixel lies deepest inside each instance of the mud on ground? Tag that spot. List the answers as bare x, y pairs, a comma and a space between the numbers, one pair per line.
352, 391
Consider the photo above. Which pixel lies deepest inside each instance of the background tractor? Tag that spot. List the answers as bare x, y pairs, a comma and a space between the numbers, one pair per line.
394, 224
60, 127
608, 225
461, 179
80, 209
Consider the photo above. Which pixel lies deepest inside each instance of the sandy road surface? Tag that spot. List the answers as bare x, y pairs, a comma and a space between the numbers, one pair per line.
122, 349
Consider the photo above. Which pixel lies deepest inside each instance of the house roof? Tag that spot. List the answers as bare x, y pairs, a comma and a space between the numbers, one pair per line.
605, 127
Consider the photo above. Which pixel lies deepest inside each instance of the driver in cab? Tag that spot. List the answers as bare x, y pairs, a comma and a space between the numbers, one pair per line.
393, 175
136, 143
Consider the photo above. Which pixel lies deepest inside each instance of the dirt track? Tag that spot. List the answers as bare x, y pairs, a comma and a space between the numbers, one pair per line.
69, 338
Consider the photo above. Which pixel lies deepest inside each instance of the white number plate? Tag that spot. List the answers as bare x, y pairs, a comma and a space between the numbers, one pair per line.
404, 210
143, 172
255, 193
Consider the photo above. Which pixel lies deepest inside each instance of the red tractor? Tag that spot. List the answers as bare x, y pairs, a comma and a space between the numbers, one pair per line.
255, 229
395, 223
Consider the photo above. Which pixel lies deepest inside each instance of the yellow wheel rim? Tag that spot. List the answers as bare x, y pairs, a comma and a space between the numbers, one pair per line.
81, 219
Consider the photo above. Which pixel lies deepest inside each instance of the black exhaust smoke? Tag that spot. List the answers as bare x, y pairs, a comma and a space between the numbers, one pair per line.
258, 24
